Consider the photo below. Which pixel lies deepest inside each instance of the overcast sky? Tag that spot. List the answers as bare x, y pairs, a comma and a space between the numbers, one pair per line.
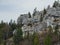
11, 9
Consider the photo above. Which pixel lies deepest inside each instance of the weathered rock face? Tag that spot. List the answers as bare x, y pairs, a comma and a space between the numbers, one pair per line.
22, 18
51, 17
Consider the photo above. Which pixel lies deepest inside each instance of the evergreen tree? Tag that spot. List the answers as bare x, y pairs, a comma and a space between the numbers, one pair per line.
41, 18
47, 40
4, 31
44, 12
29, 14
35, 39
56, 3
12, 25
2, 24
18, 36
34, 12
1, 36
56, 29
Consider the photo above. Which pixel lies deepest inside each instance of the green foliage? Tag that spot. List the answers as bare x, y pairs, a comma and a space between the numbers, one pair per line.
35, 39
1, 36
47, 40
56, 29
1, 32
18, 36
55, 4
12, 25
41, 18
34, 12
29, 14
44, 11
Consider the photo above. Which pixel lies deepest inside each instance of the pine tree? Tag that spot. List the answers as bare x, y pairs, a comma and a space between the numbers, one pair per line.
54, 5
29, 14
1, 36
56, 29
18, 36
35, 39
12, 24
41, 18
48, 40
44, 12
34, 12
